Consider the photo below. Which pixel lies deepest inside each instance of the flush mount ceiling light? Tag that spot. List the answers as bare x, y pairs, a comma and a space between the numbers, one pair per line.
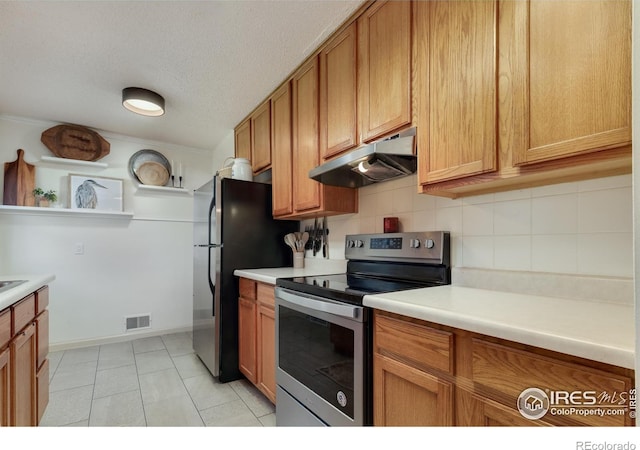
143, 101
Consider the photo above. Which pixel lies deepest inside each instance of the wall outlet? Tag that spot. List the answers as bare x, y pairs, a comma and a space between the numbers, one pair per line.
78, 248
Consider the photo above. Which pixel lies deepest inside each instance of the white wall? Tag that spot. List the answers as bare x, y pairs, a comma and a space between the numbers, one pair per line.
129, 266
576, 228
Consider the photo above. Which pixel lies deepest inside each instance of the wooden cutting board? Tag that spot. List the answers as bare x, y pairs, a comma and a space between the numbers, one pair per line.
19, 182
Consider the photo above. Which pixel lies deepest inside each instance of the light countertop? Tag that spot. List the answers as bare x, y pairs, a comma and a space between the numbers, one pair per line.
593, 330
33, 283
312, 267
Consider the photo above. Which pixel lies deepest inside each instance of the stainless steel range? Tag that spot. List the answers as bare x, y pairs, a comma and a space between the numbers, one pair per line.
324, 333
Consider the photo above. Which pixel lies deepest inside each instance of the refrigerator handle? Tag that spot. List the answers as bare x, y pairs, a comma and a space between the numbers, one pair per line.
212, 286
209, 245
212, 247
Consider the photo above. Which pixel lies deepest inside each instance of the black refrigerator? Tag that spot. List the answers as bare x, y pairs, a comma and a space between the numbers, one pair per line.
233, 228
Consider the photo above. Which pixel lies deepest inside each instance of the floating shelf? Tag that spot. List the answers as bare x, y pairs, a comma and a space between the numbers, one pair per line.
66, 212
173, 190
74, 162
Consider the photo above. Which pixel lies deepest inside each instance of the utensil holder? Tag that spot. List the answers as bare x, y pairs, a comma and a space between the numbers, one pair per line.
298, 260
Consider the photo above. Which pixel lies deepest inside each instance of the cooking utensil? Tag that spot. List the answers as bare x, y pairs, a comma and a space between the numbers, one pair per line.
315, 236
19, 182
305, 238
324, 237
289, 241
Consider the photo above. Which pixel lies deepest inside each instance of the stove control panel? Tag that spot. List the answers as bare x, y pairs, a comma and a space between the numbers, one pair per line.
428, 246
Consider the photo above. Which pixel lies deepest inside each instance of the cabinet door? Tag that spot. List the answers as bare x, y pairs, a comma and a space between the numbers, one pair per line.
305, 137
266, 331
261, 137
456, 89
338, 99
42, 380
405, 396
384, 68
23, 378
5, 327
476, 411
281, 165
570, 77
247, 338
5, 398
243, 140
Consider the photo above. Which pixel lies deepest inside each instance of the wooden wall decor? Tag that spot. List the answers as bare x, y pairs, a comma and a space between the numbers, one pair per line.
75, 142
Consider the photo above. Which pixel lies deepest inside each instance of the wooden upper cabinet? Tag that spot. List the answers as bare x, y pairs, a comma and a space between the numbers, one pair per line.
571, 77
384, 68
243, 140
456, 88
306, 151
311, 198
261, 137
338, 94
281, 164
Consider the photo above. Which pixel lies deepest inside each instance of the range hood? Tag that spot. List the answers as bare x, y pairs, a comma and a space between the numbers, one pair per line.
385, 160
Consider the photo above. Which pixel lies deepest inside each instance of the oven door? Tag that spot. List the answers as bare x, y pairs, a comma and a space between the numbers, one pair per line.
320, 357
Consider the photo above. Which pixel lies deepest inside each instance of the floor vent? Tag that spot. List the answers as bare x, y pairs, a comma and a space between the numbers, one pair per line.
137, 322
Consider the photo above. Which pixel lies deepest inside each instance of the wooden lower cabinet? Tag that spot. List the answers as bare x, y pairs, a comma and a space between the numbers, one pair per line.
247, 341
5, 387
42, 386
406, 396
266, 331
23, 378
474, 410
467, 379
257, 335
24, 367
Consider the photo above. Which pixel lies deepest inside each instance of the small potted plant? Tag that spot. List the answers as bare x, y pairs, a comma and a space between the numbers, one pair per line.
43, 198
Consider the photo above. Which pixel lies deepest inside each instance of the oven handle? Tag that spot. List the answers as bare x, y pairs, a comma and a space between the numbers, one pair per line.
320, 304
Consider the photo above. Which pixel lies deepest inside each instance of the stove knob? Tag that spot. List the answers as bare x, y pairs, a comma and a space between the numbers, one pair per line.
359, 243
414, 243
350, 244
429, 243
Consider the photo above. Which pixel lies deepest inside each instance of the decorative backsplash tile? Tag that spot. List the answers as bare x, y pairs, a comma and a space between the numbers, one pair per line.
582, 228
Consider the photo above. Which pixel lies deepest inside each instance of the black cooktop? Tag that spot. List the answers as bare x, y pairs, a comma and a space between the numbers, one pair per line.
380, 263
347, 288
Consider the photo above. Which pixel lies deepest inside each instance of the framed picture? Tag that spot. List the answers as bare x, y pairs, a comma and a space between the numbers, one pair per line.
91, 192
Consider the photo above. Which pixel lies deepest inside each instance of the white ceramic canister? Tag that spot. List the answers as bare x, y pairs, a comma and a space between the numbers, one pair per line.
242, 169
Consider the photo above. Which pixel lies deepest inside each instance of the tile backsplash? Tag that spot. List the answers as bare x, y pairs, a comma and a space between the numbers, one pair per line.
580, 227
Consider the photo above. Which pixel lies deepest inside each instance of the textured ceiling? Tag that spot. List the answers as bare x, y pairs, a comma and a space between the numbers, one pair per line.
213, 61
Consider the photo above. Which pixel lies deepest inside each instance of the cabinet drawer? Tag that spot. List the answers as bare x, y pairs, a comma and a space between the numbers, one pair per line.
23, 312
417, 344
42, 299
247, 288
511, 371
266, 294
5, 327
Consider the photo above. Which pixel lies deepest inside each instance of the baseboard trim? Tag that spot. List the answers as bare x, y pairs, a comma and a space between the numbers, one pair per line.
130, 336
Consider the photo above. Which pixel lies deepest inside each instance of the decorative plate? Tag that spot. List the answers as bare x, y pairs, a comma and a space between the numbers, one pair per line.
150, 167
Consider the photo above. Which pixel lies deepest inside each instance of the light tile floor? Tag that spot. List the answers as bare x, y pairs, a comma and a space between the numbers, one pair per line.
156, 381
